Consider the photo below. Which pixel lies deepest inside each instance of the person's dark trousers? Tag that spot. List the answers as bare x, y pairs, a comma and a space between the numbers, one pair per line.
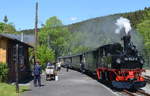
67, 69
82, 70
37, 78
59, 68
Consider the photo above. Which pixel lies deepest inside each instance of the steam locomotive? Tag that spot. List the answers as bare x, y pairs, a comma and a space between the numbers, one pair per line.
119, 65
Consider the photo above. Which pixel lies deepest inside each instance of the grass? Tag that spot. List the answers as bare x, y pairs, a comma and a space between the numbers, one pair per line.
10, 90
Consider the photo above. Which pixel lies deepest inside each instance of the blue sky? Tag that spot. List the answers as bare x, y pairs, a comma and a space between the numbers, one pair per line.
21, 12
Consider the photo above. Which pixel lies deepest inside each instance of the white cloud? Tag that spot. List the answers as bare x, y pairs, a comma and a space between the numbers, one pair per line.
73, 18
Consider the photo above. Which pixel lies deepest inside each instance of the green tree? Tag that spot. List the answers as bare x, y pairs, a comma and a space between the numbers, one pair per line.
5, 19
7, 28
144, 29
54, 35
53, 22
1, 27
3, 72
45, 54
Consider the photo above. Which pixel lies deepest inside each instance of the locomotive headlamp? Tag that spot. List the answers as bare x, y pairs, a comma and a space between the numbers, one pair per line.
118, 60
126, 59
130, 59
141, 61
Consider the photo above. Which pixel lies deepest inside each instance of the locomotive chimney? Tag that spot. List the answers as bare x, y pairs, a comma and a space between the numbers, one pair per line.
126, 39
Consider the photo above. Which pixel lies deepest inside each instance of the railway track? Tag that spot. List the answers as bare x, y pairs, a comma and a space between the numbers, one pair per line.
147, 78
128, 93
143, 92
137, 93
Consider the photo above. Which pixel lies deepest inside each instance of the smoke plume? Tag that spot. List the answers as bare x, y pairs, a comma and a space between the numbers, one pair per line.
123, 23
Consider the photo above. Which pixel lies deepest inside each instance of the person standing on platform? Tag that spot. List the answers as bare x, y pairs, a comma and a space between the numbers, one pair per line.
37, 74
67, 66
82, 65
48, 64
59, 66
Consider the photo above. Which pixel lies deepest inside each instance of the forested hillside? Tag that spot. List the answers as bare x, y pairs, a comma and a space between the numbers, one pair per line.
139, 21
94, 32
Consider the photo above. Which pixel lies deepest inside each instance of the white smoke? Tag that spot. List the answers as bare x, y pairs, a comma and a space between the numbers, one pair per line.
123, 23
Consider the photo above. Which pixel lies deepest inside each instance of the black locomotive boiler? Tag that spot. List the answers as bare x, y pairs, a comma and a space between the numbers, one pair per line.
119, 65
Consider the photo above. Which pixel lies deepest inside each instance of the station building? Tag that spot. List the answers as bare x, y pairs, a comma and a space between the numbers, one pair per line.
8, 53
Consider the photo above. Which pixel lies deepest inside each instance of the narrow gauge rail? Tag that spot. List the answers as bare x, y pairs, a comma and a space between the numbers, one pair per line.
147, 78
128, 93
142, 92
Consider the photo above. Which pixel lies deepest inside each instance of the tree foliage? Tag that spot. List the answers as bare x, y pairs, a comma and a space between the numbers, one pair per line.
28, 31
3, 72
7, 28
54, 35
137, 16
53, 22
45, 54
1, 27
5, 19
144, 29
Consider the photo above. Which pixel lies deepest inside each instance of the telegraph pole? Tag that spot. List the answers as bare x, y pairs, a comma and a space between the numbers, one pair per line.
36, 28
16, 68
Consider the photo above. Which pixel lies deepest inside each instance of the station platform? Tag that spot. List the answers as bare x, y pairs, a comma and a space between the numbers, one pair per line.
146, 73
70, 83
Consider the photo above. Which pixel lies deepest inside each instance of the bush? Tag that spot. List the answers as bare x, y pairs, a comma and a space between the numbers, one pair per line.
3, 72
